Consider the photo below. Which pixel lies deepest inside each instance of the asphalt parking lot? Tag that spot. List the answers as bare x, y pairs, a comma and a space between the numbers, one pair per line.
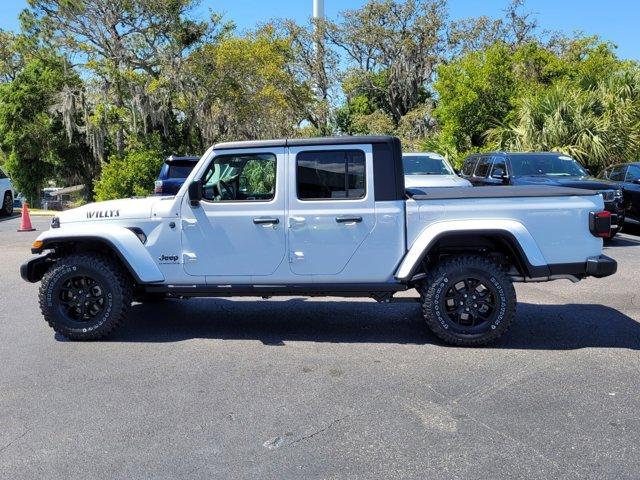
323, 388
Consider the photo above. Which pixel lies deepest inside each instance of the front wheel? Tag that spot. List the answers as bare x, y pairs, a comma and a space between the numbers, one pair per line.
85, 296
468, 301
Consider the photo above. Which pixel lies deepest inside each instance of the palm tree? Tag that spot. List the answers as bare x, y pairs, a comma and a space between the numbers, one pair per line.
598, 126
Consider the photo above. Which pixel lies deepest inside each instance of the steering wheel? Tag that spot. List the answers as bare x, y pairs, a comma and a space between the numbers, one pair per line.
223, 186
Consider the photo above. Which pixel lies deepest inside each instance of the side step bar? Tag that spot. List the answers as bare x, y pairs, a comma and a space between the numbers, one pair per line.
378, 291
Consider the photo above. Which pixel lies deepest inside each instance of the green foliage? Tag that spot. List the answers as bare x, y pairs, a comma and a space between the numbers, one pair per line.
130, 175
476, 92
245, 89
32, 136
165, 81
261, 176
597, 126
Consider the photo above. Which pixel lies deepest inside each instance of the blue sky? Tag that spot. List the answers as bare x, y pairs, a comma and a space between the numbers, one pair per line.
615, 20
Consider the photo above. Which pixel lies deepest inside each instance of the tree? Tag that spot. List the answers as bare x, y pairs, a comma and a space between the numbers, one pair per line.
314, 64
132, 49
32, 134
393, 48
598, 126
517, 27
131, 174
243, 88
475, 93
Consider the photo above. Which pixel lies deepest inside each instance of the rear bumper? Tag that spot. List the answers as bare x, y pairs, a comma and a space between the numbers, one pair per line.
598, 266
601, 266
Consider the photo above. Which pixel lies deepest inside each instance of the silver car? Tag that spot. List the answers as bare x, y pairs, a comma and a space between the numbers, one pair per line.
429, 169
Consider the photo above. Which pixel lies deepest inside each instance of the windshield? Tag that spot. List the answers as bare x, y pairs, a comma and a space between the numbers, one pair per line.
552, 164
425, 165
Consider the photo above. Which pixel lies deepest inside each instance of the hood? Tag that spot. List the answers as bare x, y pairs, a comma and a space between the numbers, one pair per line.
128, 208
588, 183
418, 181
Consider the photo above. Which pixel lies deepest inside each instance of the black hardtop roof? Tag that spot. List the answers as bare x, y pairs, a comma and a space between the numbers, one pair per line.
295, 142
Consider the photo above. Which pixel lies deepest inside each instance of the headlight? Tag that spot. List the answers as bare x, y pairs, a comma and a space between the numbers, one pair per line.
618, 193
55, 222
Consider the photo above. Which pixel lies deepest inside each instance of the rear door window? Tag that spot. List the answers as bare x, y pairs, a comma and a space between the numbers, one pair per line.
469, 165
330, 175
482, 170
617, 173
499, 163
633, 174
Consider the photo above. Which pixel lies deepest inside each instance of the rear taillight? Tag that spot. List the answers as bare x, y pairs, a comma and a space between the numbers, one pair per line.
158, 186
600, 223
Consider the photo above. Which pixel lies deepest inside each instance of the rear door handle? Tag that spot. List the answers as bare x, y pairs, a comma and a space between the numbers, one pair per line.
266, 221
348, 219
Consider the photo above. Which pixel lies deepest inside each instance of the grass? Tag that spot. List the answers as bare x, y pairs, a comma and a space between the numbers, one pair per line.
37, 212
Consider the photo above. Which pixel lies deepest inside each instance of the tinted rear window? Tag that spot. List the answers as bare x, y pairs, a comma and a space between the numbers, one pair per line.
331, 174
179, 171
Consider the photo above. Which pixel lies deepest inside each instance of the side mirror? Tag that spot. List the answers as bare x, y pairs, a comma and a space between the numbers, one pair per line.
195, 192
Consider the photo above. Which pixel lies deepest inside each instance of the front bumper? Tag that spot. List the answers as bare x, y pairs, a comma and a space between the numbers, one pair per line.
33, 270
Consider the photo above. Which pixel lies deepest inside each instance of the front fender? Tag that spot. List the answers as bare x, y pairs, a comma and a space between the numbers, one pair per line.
427, 238
124, 243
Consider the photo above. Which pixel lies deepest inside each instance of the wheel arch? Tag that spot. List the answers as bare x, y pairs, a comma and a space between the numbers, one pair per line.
507, 237
118, 242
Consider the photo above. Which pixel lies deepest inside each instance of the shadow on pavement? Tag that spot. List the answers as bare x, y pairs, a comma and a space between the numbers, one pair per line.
11, 217
626, 241
544, 327
631, 229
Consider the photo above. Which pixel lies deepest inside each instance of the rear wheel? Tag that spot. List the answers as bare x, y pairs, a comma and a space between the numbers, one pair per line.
85, 296
468, 301
7, 204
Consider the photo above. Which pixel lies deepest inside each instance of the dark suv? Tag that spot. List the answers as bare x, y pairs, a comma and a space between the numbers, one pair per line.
627, 176
542, 168
173, 173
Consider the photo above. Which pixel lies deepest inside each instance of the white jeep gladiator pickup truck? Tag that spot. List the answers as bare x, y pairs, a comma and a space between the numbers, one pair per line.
312, 217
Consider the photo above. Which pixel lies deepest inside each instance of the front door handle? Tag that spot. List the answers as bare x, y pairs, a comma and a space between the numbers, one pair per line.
266, 221
348, 219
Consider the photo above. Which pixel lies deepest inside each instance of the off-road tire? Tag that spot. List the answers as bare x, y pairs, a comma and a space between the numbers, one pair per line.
114, 284
440, 287
6, 208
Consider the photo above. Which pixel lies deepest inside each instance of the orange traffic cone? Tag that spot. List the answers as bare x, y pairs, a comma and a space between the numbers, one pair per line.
25, 221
